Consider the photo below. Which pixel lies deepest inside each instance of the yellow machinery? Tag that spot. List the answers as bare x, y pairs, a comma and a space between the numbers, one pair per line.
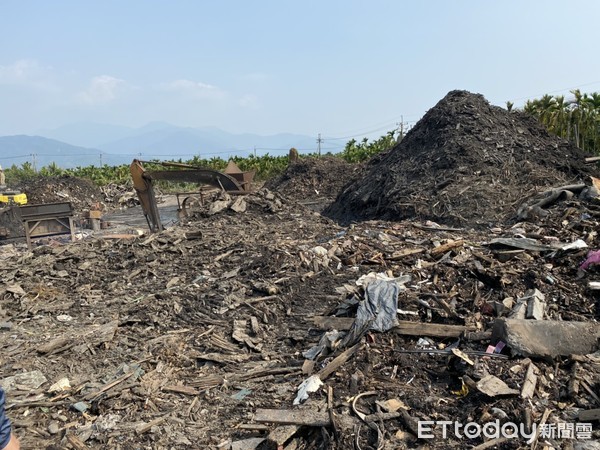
8, 197
13, 198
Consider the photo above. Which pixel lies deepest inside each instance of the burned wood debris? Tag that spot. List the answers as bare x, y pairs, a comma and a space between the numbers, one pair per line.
257, 323
193, 335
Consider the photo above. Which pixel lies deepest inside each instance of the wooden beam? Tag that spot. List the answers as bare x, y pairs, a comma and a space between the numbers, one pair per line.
589, 415
530, 381
447, 246
402, 253
179, 389
337, 362
145, 427
76, 443
405, 327
408, 328
301, 417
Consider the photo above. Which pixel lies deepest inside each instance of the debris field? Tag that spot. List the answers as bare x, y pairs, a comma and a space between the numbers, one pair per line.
258, 323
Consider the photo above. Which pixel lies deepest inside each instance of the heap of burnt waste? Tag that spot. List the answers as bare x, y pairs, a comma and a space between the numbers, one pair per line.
465, 163
65, 188
313, 178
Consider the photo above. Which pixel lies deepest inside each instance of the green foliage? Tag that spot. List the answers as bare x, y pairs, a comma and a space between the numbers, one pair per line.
355, 152
99, 175
102, 175
51, 170
266, 166
577, 120
16, 175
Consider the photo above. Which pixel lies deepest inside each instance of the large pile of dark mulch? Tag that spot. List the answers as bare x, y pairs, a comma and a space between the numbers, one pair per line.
313, 178
80, 192
465, 162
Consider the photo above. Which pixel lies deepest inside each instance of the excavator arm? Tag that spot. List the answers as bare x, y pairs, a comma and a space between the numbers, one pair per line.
235, 182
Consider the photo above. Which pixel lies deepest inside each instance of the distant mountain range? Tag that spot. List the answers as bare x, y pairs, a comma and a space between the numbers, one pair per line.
84, 144
42, 151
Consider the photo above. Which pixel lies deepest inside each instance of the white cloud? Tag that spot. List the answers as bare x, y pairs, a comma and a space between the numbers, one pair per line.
102, 89
17, 71
255, 77
249, 101
194, 89
29, 73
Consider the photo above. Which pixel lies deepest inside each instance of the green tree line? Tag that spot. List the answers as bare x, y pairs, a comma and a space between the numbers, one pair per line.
266, 166
576, 119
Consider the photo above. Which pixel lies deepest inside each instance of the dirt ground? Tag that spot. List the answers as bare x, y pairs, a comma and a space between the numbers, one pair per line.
201, 336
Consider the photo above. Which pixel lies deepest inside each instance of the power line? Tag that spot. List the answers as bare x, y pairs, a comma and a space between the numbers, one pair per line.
284, 149
394, 124
360, 134
554, 92
189, 155
15, 157
378, 125
68, 155
386, 125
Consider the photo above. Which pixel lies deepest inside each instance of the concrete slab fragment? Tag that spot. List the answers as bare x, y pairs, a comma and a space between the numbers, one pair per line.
547, 338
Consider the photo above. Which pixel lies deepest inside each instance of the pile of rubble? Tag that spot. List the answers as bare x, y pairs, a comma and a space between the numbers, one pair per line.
465, 162
257, 323
80, 192
314, 182
119, 195
85, 198
270, 326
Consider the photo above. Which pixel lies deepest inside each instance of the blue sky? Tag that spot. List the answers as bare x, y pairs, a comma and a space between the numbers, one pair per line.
340, 68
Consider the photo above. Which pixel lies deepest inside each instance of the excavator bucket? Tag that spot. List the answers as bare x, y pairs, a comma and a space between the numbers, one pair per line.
145, 192
235, 182
243, 178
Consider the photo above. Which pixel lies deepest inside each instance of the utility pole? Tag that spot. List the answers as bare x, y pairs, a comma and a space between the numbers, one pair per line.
33, 162
401, 129
100, 159
319, 140
255, 151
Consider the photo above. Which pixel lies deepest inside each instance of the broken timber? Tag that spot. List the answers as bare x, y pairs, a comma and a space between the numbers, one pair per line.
530, 381
304, 417
404, 327
447, 246
337, 362
589, 415
314, 418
